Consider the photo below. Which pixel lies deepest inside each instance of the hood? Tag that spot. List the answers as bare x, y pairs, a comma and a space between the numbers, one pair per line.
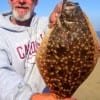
6, 24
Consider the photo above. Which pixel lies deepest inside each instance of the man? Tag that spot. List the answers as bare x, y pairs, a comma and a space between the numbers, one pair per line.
21, 32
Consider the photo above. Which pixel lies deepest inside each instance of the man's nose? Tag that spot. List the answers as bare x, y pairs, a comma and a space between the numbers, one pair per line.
22, 1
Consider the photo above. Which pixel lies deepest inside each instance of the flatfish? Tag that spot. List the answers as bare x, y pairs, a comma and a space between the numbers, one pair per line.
68, 52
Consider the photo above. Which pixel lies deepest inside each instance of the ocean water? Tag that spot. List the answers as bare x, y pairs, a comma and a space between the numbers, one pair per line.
98, 33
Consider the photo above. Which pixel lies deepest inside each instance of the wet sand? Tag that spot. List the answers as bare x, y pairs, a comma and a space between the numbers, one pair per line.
90, 89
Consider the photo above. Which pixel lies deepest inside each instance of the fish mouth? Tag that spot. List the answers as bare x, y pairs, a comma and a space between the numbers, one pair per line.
70, 8
71, 5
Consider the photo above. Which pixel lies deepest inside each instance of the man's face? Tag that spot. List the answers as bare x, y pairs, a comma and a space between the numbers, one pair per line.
22, 9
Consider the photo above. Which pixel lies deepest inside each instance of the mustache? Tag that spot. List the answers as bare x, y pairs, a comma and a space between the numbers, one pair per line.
22, 6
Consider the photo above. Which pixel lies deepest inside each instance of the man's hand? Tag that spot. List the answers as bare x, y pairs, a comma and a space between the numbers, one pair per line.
55, 14
48, 96
45, 96
69, 99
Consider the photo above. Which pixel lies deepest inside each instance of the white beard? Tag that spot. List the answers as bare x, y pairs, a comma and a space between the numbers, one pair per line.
24, 18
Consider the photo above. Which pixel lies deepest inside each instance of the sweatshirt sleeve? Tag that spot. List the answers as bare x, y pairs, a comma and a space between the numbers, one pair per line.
12, 85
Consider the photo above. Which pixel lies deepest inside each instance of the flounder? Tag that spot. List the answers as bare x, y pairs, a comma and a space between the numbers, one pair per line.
68, 52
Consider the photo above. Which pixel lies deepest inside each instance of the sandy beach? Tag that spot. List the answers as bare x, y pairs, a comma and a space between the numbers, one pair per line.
90, 89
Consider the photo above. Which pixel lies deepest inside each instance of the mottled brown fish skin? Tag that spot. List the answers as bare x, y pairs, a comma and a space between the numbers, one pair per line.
68, 54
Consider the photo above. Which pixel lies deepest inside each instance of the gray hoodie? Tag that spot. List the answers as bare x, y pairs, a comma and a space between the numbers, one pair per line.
19, 75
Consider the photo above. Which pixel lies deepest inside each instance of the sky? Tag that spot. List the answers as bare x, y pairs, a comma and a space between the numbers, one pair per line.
45, 7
